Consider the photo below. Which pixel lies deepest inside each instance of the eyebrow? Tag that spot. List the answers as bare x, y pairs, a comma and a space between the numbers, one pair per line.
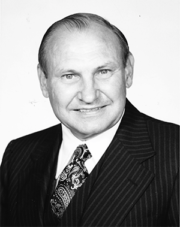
108, 64
73, 71
67, 71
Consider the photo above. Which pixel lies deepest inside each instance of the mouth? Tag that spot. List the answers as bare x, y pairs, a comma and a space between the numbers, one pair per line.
89, 110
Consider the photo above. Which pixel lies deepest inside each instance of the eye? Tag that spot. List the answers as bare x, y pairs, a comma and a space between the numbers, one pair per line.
104, 73
68, 76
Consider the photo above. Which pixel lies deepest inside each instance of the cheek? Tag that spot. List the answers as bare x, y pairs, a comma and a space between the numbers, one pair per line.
116, 90
56, 97
60, 96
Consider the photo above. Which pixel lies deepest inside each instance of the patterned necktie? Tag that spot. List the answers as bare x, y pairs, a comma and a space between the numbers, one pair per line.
71, 178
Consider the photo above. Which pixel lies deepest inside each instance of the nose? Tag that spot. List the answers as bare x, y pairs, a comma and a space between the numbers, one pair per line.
89, 92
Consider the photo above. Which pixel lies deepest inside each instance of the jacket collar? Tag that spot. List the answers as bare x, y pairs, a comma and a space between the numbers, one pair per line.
133, 133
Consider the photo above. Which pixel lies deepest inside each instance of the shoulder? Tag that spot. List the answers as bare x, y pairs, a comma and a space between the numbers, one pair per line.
161, 129
22, 148
153, 125
39, 134
36, 137
164, 137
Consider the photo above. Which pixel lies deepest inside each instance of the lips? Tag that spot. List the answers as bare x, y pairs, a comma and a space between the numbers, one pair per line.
88, 110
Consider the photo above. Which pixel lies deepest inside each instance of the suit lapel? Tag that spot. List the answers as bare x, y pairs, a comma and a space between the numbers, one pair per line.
121, 183
36, 180
118, 180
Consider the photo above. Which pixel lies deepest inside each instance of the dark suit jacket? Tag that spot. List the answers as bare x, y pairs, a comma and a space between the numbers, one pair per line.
134, 184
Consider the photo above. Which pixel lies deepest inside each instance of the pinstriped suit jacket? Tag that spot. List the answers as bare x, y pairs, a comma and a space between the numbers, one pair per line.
134, 184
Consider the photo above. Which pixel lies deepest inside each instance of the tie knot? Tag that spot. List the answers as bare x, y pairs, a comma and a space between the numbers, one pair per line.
82, 153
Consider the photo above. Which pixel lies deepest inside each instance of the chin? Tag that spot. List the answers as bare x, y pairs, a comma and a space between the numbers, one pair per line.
88, 133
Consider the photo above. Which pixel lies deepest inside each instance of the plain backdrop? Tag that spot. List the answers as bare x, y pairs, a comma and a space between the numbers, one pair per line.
152, 28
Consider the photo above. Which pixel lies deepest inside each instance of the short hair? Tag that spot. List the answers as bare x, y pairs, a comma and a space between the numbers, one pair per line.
80, 21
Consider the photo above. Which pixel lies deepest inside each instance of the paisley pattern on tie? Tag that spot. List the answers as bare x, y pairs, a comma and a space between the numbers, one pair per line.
71, 178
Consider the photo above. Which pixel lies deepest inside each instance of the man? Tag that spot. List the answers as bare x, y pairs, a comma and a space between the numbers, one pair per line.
129, 176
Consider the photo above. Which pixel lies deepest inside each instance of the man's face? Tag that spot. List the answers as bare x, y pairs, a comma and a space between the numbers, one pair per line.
86, 81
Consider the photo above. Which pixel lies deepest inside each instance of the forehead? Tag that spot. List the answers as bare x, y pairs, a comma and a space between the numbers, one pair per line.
65, 44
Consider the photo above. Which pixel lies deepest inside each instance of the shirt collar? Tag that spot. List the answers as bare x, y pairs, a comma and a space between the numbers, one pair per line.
97, 145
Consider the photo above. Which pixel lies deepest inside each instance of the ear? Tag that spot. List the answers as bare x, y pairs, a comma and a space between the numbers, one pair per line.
129, 69
43, 81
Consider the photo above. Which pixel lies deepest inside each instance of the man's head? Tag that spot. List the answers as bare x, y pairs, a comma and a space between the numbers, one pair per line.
80, 21
84, 68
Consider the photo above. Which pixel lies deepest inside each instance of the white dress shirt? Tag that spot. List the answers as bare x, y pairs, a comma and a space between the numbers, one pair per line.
96, 145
